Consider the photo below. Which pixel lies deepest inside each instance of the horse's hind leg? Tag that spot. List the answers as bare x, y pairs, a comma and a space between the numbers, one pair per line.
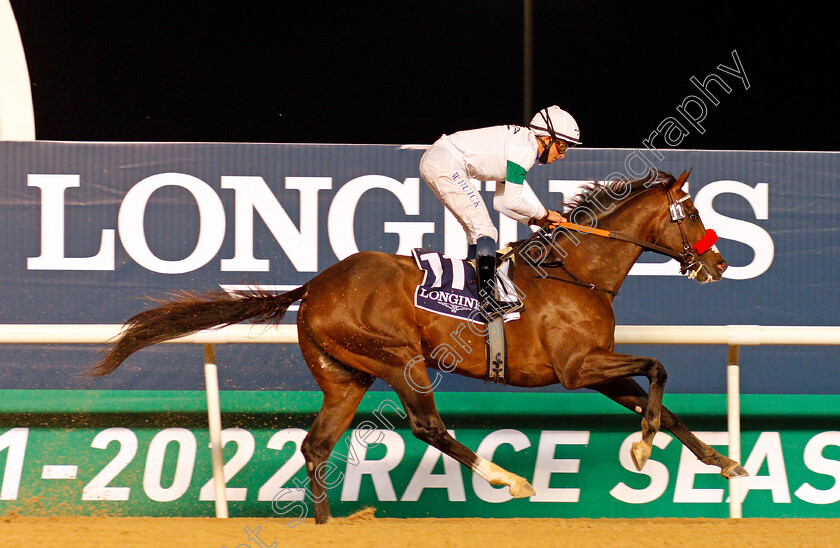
343, 389
628, 393
426, 425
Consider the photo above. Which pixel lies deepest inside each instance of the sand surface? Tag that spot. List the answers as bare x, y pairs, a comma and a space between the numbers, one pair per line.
364, 529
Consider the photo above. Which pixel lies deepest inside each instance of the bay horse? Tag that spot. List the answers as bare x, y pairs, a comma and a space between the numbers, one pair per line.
357, 321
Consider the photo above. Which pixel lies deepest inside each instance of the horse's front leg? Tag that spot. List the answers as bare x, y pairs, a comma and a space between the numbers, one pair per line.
602, 366
628, 393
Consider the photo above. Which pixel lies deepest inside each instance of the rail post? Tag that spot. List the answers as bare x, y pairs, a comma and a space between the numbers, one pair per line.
214, 421
733, 415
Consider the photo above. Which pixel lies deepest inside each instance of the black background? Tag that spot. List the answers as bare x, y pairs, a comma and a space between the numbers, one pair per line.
405, 72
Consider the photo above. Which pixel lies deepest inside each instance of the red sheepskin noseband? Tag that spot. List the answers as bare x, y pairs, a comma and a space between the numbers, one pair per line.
706, 242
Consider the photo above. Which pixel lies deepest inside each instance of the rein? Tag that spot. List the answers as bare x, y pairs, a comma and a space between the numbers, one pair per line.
688, 258
623, 237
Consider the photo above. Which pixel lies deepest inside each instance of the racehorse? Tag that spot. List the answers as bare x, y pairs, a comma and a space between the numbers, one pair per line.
357, 321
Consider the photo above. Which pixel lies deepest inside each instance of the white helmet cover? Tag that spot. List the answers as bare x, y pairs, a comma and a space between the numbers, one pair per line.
556, 123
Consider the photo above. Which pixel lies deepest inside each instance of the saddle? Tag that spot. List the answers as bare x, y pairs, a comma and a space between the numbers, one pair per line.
450, 288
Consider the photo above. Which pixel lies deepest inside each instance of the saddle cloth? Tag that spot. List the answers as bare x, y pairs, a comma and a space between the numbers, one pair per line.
450, 287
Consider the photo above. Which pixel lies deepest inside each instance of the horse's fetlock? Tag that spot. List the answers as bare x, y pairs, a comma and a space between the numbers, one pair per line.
711, 460
655, 424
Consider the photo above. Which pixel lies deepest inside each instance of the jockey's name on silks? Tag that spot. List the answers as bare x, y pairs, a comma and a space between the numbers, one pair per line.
449, 287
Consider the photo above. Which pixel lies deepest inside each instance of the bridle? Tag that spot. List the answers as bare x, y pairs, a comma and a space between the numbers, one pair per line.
688, 257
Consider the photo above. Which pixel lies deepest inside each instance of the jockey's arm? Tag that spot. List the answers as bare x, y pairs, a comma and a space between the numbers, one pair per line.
512, 204
510, 199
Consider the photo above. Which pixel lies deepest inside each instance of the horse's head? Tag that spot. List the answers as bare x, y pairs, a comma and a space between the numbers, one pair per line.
686, 235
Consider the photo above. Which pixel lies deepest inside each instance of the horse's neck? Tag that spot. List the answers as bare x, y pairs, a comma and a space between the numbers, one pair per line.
606, 262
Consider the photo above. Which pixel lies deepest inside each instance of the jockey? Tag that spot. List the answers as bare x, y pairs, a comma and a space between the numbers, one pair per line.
503, 154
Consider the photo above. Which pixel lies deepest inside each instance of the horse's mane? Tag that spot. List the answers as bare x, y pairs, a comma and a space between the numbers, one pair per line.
599, 197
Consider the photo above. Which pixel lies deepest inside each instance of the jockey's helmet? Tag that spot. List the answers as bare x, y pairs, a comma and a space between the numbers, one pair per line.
557, 124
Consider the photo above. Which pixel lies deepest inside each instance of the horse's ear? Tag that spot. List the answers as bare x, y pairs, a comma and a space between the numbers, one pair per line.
681, 179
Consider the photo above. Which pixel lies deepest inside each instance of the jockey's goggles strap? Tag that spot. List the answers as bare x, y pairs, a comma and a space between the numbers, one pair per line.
546, 150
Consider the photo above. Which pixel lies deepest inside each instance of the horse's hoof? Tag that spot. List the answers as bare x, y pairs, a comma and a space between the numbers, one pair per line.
639, 452
734, 471
522, 489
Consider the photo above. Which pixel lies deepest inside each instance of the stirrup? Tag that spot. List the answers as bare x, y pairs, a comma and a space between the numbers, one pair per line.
492, 308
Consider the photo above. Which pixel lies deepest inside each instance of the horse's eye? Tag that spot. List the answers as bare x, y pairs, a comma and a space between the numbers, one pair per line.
694, 216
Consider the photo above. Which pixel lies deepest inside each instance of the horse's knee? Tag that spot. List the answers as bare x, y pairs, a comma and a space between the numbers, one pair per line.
657, 372
314, 450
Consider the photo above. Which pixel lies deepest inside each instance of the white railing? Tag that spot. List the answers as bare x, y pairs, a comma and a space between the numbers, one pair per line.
733, 336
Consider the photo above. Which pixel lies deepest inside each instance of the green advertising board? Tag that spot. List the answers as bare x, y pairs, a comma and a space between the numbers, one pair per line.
145, 453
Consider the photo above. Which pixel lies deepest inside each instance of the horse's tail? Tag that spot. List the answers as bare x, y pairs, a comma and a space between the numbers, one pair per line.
191, 312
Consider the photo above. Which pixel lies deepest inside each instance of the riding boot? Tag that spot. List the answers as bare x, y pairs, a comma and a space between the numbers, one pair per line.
472, 251
490, 304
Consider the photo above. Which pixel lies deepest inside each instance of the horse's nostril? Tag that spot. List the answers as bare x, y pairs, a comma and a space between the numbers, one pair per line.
721, 266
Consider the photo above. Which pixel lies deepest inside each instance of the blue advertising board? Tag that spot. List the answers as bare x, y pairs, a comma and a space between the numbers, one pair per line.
90, 231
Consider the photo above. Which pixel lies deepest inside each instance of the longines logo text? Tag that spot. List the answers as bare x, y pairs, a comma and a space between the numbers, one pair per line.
300, 240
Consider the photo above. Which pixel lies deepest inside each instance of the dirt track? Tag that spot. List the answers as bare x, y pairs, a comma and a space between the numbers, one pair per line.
363, 529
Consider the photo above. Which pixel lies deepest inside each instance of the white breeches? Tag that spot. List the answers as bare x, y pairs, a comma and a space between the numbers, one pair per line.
444, 171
